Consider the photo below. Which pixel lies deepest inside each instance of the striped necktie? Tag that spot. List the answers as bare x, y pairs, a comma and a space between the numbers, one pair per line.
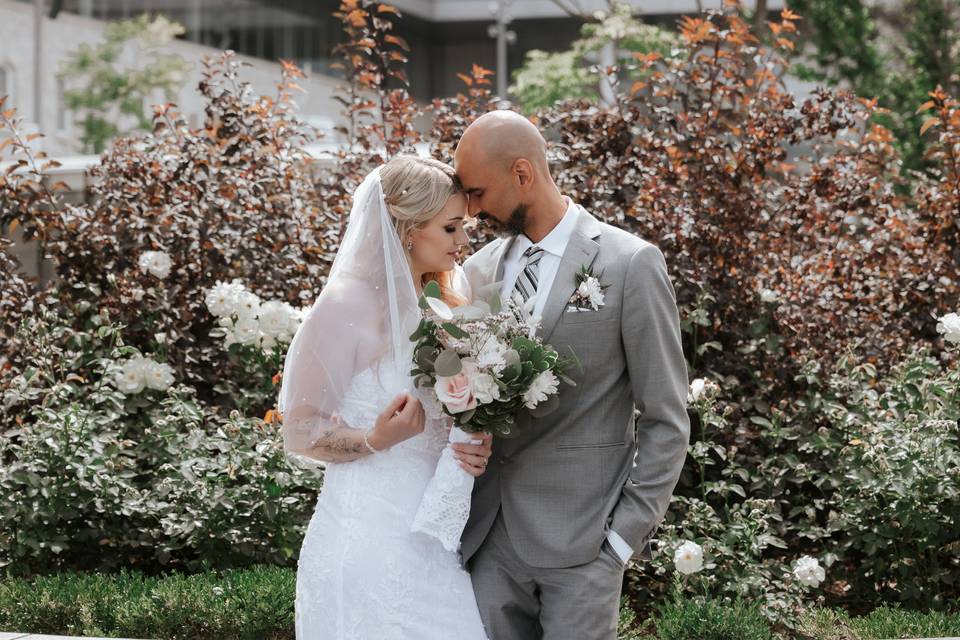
527, 280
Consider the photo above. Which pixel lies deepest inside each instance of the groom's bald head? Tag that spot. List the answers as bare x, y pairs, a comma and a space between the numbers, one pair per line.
501, 161
501, 138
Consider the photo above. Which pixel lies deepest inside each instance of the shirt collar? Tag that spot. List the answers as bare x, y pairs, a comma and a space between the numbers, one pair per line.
556, 241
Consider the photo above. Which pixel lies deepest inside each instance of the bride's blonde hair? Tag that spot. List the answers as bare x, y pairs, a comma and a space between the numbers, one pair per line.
415, 190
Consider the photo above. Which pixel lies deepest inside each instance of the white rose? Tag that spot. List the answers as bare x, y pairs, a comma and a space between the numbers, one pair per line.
456, 392
131, 379
275, 317
222, 299
295, 319
157, 263
809, 572
769, 295
949, 326
248, 305
696, 389
688, 558
486, 389
246, 330
158, 375
267, 342
542, 387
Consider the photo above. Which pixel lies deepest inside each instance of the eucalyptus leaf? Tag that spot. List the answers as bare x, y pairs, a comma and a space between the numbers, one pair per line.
496, 304
455, 331
447, 363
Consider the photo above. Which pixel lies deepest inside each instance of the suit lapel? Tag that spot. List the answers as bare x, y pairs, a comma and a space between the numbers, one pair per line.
581, 250
500, 256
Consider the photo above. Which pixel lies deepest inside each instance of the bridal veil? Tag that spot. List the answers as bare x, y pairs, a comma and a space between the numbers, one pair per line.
363, 318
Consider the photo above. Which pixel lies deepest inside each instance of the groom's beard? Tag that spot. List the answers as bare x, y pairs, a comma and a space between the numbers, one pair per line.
514, 225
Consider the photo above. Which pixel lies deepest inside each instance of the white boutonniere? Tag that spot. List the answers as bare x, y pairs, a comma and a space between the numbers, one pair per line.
589, 293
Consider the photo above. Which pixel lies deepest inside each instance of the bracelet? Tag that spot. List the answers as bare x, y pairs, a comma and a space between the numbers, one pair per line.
367, 442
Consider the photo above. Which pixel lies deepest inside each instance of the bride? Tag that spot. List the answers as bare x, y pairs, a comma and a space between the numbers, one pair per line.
347, 399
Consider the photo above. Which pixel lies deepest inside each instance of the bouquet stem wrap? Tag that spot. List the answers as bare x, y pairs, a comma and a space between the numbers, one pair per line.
445, 506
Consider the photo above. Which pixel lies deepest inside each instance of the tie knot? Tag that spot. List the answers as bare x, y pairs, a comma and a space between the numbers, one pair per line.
533, 254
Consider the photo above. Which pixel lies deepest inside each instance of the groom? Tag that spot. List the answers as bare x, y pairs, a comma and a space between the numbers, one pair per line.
563, 507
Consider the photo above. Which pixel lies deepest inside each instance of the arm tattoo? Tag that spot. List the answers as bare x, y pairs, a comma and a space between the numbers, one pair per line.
340, 444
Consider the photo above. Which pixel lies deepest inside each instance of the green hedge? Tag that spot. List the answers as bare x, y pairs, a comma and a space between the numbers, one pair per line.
243, 603
258, 603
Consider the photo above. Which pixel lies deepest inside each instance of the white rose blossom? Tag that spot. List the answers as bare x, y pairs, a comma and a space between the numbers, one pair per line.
543, 386
248, 305
139, 373
769, 295
245, 319
809, 572
949, 326
131, 379
156, 263
696, 389
246, 330
275, 318
702, 388
158, 375
485, 388
222, 299
688, 558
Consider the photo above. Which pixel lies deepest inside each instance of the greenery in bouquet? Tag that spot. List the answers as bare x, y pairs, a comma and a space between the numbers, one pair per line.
484, 364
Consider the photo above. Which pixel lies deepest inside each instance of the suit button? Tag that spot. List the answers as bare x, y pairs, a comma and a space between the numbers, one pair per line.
503, 460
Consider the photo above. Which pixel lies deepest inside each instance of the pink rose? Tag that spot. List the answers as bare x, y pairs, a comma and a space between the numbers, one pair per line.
456, 392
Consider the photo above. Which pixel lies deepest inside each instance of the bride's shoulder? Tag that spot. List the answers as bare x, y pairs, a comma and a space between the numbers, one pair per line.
353, 297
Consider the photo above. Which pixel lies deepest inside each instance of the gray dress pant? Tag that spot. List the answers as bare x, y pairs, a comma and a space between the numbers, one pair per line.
521, 602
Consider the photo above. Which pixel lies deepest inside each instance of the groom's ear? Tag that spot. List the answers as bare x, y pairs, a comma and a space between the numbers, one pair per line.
523, 172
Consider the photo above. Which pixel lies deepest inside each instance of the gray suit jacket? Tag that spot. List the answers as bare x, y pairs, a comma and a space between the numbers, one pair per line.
584, 469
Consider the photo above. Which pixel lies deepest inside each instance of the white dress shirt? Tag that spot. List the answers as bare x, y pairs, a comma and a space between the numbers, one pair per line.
553, 245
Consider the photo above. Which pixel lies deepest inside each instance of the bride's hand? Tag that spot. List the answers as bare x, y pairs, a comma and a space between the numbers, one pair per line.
473, 458
402, 419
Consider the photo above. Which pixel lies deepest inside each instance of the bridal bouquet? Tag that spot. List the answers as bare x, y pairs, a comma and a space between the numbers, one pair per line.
482, 365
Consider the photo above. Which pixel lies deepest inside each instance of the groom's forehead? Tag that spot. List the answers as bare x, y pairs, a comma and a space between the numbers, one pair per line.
471, 180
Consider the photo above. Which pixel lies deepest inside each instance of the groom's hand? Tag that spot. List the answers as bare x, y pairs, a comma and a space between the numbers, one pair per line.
473, 457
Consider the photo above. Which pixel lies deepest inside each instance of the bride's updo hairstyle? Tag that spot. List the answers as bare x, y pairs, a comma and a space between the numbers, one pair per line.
415, 190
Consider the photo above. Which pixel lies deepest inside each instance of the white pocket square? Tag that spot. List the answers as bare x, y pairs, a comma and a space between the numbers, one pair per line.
572, 308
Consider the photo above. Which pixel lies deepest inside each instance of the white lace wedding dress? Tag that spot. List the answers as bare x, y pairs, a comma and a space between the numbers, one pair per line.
363, 575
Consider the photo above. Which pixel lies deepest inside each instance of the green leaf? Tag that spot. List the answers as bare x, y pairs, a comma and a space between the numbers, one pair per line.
496, 304
432, 289
447, 363
455, 331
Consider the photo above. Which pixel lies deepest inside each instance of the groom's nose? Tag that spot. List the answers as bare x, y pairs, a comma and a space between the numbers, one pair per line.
473, 207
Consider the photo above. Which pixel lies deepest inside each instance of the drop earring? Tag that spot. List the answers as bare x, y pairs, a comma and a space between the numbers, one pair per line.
409, 245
